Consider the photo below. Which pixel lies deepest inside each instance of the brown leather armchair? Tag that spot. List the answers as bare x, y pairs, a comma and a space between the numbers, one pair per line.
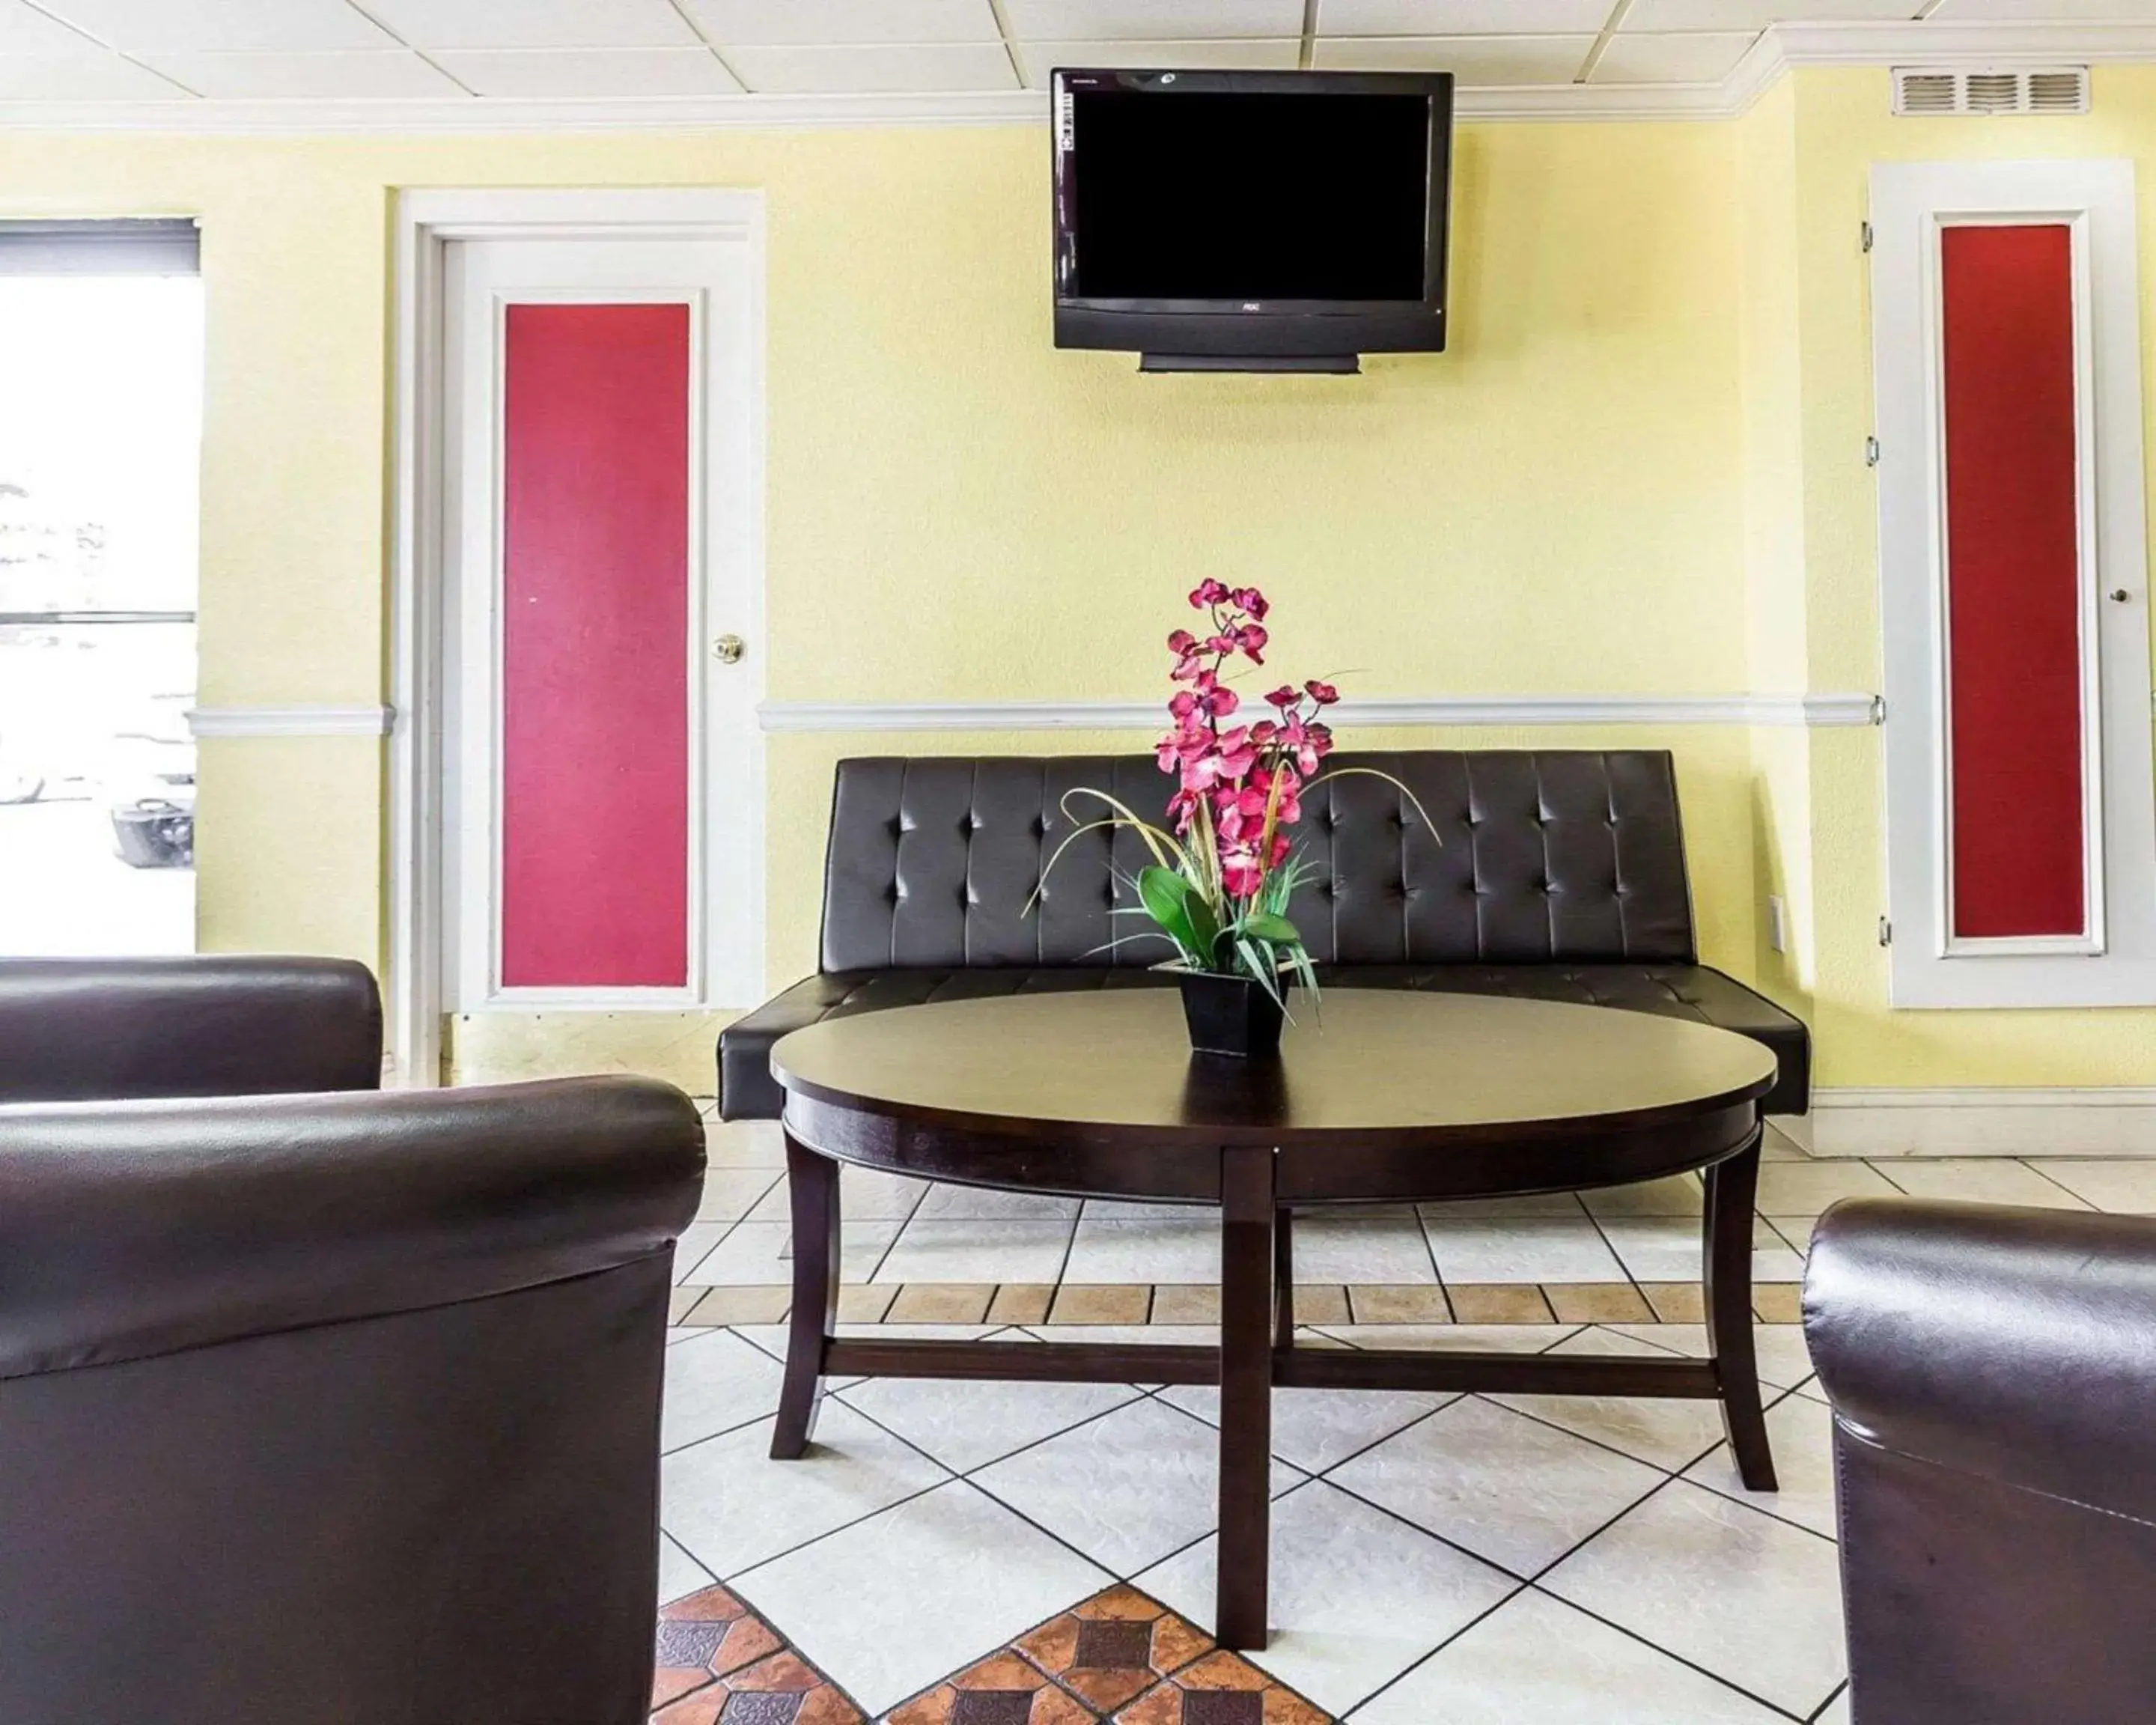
320, 1408
1992, 1372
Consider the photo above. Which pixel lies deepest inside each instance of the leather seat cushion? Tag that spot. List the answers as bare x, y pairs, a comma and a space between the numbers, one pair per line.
748, 1090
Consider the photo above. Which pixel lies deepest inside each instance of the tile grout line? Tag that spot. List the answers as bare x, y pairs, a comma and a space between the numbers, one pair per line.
1534, 1583
1524, 1584
787, 1644
2035, 1165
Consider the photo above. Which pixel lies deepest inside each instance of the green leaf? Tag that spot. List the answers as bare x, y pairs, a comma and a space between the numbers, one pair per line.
1167, 900
1265, 926
1205, 927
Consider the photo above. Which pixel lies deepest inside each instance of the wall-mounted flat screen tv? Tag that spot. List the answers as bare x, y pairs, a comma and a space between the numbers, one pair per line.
1272, 221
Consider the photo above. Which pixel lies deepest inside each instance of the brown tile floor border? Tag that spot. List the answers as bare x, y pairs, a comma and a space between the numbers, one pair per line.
1118, 1658
1397, 1303
1021, 1303
1324, 1302
711, 1648
1127, 1303
1186, 1303
941, 1302
1598, 1303
1078, 1302
739, 1306
1778, 1302
1676, 1303
861, 1304
1499, 1302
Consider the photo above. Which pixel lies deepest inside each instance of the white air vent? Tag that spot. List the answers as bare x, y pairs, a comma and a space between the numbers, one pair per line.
2046, 90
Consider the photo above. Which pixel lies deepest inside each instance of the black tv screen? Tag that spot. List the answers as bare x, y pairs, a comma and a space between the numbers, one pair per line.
1231, 197
1218, 215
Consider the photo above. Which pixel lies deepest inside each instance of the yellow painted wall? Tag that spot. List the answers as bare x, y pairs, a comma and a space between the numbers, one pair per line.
956, 509
1635, 472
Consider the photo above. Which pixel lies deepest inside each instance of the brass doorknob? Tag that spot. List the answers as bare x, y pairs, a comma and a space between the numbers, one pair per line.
727, 649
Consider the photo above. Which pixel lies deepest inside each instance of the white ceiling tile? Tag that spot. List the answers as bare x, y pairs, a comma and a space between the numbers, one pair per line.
1474, 60
1152, 20
1462, 18
534, 23
884, 66
1758, 14
387, 72
23, 29
1701, 58
824, 22
1279, 54
205, 26
2081, 11
540, 74
102, 77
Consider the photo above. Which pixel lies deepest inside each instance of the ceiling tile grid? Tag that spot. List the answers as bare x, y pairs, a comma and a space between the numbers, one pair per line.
1281, 54
810, 23
587, 74
620, 52
364, 74
220, 26
1154, 20
863, 68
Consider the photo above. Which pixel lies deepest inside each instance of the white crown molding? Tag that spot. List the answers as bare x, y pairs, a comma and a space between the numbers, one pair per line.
223, 722
1940, 43
1778, 48
1810, 711
1886, 1123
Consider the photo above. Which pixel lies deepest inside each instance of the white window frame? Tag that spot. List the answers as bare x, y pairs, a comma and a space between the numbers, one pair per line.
2113, 960
435, 957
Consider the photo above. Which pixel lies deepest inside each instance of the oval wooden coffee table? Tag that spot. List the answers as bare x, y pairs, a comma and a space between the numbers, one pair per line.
1379, 1097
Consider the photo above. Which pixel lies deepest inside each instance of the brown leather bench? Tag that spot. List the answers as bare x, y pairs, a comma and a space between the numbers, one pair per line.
1561, 876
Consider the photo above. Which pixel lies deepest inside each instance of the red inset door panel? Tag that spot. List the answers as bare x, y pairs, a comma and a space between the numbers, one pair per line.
594, 644
2014, 650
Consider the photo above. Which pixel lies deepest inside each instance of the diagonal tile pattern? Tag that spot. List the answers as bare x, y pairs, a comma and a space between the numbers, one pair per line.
717, 1663
970, 1554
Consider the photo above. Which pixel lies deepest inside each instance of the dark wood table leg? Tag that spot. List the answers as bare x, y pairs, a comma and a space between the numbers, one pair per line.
1246, 1390
812, 1185
1732, 1186
1284, 1278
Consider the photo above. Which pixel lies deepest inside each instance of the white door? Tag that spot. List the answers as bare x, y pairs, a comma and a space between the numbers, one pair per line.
2014, 590
600, 782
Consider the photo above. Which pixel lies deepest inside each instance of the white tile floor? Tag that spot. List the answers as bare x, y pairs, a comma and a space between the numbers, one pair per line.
1533, 1560
900, 1231
1420, 1542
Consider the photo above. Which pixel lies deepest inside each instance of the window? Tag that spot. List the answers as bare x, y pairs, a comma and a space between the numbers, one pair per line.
101, 350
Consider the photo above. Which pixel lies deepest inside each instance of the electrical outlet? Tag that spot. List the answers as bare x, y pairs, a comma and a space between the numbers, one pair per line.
1778, 924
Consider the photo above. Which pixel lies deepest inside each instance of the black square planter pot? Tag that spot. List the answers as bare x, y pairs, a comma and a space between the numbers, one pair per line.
1229, 1014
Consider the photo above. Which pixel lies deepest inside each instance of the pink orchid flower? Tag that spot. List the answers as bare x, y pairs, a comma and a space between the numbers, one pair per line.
1207, 592
1324, 694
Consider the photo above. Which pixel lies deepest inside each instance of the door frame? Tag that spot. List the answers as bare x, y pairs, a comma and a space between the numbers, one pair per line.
2114, 963
427, 222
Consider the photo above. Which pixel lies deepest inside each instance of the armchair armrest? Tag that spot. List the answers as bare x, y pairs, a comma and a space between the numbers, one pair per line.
133, 1229
87, 1029
2019, 1345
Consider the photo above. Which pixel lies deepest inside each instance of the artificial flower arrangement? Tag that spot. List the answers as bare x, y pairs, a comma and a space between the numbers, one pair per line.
1219, 884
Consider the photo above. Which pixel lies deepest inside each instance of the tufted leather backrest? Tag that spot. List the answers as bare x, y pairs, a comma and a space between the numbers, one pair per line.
1564, 856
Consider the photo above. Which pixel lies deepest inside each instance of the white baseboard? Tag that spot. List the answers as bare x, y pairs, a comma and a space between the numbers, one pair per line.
2108, 1121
